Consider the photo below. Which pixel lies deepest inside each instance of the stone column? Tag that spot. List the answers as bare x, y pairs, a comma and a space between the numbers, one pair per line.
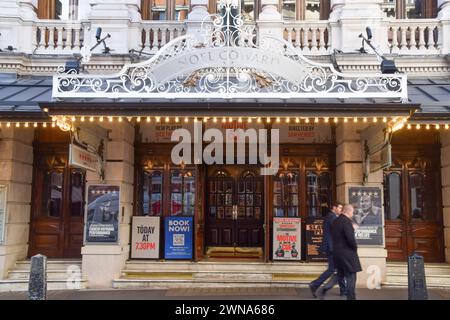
349, 171
119, 18
197, 16
270, 21
16, 172
444, 17
103, 263
16, 20
349, 18
445, 178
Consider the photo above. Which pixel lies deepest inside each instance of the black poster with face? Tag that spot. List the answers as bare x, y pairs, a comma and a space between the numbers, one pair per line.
314, 238
368, 214
102, 214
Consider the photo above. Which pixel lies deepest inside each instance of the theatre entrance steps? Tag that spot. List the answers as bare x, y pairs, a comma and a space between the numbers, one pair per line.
437, 275
216, 273
59, 274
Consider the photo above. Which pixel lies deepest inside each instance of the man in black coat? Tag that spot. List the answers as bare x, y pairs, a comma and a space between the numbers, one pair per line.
345, 249
327, 248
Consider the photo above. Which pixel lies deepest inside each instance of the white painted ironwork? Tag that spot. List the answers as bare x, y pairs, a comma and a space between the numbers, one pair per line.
226, 60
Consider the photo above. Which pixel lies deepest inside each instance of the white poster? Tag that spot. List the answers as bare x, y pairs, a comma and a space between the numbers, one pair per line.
2, 213
145, 237
304, 132
286, 238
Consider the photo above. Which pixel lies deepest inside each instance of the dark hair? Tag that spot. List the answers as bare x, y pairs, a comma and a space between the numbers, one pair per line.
337, 204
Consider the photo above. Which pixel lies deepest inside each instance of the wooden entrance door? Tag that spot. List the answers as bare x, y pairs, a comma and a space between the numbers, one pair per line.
234, 207
57, 217
413, 208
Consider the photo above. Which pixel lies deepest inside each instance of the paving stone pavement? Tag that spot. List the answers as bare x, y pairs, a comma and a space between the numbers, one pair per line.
221, 294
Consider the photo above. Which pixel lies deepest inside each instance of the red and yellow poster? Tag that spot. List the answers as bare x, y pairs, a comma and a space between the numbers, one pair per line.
286, 238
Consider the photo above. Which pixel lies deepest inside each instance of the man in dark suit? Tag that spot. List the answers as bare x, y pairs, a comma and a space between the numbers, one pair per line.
327, 248
345, 249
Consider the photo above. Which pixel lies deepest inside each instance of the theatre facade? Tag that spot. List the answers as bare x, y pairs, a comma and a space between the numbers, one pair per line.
218, 155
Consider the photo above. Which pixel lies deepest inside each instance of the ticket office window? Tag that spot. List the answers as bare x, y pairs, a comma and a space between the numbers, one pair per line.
166, 193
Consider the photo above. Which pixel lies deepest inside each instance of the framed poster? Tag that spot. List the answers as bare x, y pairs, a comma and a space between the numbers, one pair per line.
102, 214
2, 213
368, 214
314, 238
178, 237
145, 237
286, 238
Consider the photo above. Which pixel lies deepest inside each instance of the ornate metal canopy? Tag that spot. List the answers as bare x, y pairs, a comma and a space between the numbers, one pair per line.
226, 60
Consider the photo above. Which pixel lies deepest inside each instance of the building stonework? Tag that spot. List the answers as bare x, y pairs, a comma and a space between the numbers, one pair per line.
232, 207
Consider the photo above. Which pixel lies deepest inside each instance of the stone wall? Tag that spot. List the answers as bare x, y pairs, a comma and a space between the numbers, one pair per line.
16, 172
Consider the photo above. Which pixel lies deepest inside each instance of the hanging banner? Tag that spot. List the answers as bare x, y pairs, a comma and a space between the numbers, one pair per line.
286, 238
304, 132
81, 158
102, 214
178, 237
2, 213
145, 237
314, 239
368, 214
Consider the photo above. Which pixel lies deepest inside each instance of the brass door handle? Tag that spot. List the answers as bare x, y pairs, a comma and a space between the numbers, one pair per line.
235, 212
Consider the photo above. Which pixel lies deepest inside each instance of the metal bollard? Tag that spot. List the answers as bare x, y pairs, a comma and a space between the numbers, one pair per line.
37, 284
417, 286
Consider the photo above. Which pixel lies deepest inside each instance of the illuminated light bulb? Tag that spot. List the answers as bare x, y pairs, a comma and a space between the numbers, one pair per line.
195, 119
138, 119
240, 120
345, 119
53, 124
101, 119
177, 119
375, 120
120, 119
230, 119
44, 125
110, 119
336, 120
297, 120
408, 126
326, 120
427, 127
446, 127
288, 120
167, 119
438, 127
307, 120
149, 119
355, 120
158, 119
26, 124
365, 119
17, 124
73, 119
278, 120
205, 119
91, 119
418, 126
186, 119
45, 109
268, 120
8, 125
215, 119
316, 120
82, 119
384, 119
224, 120
249, 120
258, 120
35, 125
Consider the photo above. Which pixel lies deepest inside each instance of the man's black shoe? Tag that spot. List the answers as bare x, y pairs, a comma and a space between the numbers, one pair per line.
321, 293
313, 290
